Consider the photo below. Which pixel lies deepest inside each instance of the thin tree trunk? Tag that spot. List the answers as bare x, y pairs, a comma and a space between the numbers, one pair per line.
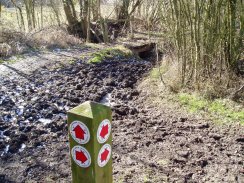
88, 37
0, 9
21, 14
70, 15
41, 13
56, 12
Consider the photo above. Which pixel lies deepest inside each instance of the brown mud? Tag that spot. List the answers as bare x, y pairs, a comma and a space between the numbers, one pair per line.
150, 144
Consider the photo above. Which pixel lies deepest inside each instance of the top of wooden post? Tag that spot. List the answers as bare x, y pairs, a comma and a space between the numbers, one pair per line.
88, 109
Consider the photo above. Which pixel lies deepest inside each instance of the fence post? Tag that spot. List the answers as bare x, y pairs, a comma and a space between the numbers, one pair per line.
90, 140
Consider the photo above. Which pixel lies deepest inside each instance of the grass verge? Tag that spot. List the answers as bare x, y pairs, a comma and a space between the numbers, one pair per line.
222, 110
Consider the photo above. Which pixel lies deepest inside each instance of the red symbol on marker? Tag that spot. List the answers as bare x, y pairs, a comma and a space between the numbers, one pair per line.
80, 156
79, 132
104, 131
104, 155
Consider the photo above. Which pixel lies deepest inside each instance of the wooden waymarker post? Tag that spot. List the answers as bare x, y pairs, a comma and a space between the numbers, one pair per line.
90, 143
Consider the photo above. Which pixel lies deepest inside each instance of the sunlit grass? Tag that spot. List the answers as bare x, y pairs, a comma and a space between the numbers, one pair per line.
219, 109
108, 53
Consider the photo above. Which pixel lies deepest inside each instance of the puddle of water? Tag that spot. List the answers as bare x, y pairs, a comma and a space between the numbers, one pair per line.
57, 50
18, 88
60, 107
5, 150
1, 134
3, 137
2, 98
66, 108
45, 121
34, 98
41, 146
20, 101
8, 118
23, 146
20, 110
62, 115
106, 100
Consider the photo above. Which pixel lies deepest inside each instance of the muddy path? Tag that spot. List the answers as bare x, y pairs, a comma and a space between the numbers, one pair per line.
150, 144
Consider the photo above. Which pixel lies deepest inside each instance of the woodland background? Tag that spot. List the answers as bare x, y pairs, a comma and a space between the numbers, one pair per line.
200, 41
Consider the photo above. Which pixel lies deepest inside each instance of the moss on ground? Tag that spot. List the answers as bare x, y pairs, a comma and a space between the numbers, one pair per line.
109, 53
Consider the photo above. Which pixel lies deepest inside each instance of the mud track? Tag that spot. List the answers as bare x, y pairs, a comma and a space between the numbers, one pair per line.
150, 144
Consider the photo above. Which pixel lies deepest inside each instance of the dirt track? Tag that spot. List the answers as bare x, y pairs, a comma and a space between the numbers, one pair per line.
150, 144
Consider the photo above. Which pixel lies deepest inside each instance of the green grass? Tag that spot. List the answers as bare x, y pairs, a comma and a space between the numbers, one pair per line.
155, 74
7, 61
108, 53
222, 110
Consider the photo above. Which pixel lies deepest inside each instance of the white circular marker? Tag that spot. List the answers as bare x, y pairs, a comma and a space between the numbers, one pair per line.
79, 132
104, 155
103, 131
81, 156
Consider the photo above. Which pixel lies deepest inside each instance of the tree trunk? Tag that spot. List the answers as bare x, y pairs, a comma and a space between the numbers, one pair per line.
56, 11
20, 12
88, 34
70, 15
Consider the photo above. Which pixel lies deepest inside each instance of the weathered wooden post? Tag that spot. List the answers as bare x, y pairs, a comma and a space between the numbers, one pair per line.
90, 143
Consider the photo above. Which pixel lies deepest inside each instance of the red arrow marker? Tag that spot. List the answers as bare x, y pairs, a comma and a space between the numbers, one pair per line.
80, 156
79, 132
104, 131
104, 155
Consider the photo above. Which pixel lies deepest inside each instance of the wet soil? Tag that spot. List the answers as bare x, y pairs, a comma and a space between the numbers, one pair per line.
150, 144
